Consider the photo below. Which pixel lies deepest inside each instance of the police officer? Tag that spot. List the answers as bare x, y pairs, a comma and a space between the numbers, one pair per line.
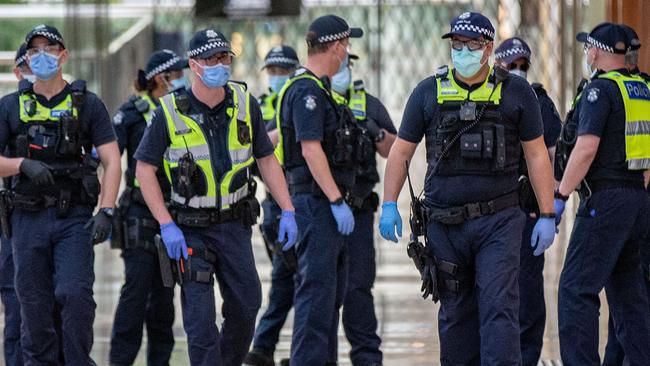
206, 139
614, 354
359, 320
316, 145
143, 299
515, 55
611, 152
471, 117
11, 342
50, 128
280, 62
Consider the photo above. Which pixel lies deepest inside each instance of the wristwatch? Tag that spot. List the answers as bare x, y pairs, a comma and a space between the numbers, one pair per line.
560, 196
107, 210
549, 215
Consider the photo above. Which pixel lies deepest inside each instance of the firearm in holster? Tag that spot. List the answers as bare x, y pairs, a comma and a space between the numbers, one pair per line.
418, 252
119, 234
171, 271
5, 211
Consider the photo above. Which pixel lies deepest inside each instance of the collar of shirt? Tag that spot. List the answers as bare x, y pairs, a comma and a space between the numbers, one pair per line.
211, 114
55, 100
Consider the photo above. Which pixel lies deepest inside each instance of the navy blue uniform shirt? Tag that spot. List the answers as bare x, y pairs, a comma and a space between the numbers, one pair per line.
310, 112
602, 114
93, 113
518, 105
214, 124
550, 119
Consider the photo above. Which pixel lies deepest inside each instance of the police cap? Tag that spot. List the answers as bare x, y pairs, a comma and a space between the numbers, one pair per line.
511, 50
609, 37
471, 25
52, 34
281, 56
163, 61
330, 28
208, 42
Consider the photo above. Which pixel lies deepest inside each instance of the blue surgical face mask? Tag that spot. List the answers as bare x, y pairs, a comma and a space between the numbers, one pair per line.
341, 81
215, 76
467, 62
518, 72
180, 83
276, 82
44, 65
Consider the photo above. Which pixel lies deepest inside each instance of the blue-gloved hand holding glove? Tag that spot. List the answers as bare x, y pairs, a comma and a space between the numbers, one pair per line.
543, 235
389, 221
343, 216
288, 229
558, 205
174, 240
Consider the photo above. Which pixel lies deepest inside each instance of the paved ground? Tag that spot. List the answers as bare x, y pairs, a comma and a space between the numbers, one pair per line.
407, 323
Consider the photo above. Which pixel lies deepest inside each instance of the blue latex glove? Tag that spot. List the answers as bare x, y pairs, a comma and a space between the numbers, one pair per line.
174, 240
558, 205
288, 229
389, 221
344, 218
543, 235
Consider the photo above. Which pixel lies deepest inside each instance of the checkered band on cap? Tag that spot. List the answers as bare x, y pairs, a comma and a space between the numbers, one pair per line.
280, 60
20, 60
162, 67
207, 47
594, 42
473, 28
334, 37
48, 35
512, 52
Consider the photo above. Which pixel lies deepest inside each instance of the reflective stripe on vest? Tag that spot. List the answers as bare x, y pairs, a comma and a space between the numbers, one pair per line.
186, 135
42, 113
268, 107
449, 91
636, 98
301, 74
147, 116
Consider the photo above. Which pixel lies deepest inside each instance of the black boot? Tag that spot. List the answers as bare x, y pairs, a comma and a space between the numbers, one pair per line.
258, 357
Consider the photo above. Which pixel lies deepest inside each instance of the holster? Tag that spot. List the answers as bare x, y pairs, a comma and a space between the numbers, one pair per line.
117, 230
527, 199
5, 212
358, 203
288, 256
164, 262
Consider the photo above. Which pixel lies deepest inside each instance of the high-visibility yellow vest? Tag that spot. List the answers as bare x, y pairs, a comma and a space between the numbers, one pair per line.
356, 101
636, 99
186, 136
147, 116
267, 106
279, 149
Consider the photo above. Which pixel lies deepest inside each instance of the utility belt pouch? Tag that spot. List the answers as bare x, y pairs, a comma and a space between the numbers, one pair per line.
90, 181
63, 203
193, 219
249, 210
22, 146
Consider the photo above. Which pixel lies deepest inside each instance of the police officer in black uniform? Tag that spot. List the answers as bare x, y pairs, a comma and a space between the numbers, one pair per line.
473, 119
143, 299
611, 153
317, 140
206, 138
280, 62
614, 354
13, 353
50, 128
515, 55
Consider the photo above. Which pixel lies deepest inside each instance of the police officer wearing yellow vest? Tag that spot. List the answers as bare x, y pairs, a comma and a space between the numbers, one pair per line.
611, 153
317, 140
359, 320
473, 118
50, 128
280, 62
206, 138
143, 298
614, 354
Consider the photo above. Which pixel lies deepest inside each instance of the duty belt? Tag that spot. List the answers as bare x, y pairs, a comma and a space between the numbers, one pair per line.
470, 211
205, 217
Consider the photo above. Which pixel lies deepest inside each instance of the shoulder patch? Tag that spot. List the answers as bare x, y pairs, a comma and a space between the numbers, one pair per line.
593, 94
118, 119
310, 102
